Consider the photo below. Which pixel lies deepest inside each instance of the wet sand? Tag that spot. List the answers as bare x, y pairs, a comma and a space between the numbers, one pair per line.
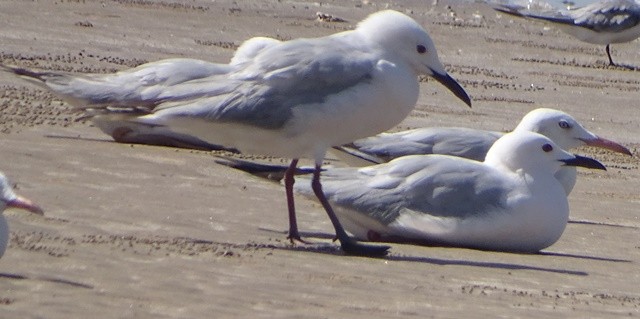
133, 231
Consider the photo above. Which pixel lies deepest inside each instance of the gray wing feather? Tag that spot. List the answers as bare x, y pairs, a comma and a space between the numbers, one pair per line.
609, 16
265, 93
605, 16
137, 87
461, 142
435, 185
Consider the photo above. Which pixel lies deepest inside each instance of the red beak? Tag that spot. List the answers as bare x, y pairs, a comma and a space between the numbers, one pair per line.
23, 203
610, 145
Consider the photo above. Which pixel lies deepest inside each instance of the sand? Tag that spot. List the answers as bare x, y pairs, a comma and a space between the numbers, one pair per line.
135, 231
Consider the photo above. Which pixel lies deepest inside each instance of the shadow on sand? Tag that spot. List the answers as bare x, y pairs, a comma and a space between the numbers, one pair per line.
334, 249
43, 278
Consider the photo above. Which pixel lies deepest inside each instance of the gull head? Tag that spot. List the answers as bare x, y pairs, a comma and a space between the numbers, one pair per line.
534, 153
404, 40
8, 198
565, 130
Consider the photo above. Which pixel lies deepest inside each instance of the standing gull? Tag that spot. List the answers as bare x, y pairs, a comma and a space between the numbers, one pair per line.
298, 98
509, 202
560, 127
604, 22
9, 199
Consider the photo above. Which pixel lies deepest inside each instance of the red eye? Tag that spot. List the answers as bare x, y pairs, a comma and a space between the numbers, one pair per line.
421, 48
547, 148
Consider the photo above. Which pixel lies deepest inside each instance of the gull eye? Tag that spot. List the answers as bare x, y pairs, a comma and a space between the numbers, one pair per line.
421, 48
547, 148
564, 124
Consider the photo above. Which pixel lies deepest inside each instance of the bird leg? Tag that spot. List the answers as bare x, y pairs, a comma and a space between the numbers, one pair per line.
348, 245
609, 55
289, 180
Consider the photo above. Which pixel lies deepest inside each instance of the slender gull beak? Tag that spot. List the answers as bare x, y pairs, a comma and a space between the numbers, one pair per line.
583, 161
605, 143
23, 203
453, 85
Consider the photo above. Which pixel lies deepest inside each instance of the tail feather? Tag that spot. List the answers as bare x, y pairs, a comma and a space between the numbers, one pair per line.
34, 77
23, 72
354, 157
511, 9
518, 11
268, 171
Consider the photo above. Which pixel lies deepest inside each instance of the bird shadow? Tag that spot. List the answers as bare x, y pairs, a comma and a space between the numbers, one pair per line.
157, 140
63, 281
593, 223
565, 255
79, 138
326, 236
329, 249
486, 264
332, 249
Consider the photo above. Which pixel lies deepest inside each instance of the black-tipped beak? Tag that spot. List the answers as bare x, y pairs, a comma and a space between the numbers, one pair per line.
583, 161
453, 86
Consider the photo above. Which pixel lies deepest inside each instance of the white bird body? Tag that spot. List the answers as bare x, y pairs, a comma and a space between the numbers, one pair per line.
474, 144
288, 103
510, 202
604, 22
310, 128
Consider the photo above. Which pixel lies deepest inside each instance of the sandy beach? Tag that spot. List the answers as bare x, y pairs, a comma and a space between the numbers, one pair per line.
135, 231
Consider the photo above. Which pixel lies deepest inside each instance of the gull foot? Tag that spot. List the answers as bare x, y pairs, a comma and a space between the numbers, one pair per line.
295, 237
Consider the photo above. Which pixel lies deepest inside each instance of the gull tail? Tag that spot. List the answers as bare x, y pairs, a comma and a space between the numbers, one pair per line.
78, 90
34, 77
517, 11
23, 72
510, 9
354, 157
268, 171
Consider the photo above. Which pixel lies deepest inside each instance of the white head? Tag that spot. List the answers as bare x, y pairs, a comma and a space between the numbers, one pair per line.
250, 48
533, 153
9, 199
405, 39
564, 130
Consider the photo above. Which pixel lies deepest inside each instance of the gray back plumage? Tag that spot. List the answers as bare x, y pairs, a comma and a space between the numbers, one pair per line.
455, 141
433, 185
267, 92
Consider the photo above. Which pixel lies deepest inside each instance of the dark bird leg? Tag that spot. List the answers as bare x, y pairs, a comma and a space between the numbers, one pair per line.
609, 55
348, 245
289, 180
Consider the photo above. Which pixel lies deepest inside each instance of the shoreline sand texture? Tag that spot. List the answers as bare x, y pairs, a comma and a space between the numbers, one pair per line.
142, 231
